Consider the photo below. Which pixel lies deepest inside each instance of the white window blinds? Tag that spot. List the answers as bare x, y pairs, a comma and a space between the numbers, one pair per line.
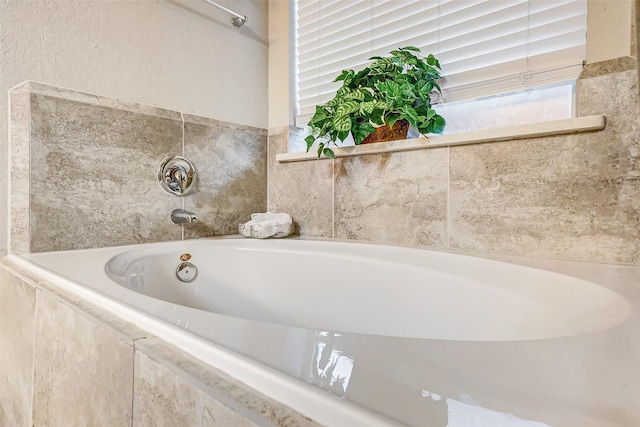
485, 47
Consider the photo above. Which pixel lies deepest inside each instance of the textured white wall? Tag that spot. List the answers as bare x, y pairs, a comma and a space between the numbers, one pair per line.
279, 99
609, 24
177, 54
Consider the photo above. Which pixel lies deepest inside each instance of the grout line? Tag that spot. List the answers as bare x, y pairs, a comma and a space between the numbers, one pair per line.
29, 154
9, 193
36, 303
183, 131
269, 166
182, 205
333, 199
448, 197
133, 381
133, 375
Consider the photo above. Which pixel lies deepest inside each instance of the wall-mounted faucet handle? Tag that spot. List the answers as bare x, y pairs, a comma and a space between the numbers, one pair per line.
176, 175
176, 178
181, 216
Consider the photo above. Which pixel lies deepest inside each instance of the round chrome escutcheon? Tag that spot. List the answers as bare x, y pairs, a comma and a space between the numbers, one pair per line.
186, 272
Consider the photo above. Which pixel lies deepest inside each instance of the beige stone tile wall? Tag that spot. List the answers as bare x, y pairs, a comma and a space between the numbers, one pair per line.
67, 362
180, 390
574, 196
571, 196
304, 190
93, 175
165, 399
17, 323
557, 197
83, 374
84, 171
393, 198
232, 166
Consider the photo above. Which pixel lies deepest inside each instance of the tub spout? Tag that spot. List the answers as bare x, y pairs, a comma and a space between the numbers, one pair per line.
181, 216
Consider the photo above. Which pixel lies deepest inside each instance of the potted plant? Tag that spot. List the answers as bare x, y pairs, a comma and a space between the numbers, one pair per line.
393, 92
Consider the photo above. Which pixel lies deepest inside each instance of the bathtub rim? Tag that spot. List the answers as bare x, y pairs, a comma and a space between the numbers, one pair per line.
309, 401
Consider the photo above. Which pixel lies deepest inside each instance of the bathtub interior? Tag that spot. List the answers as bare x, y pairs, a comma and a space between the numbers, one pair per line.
373, 290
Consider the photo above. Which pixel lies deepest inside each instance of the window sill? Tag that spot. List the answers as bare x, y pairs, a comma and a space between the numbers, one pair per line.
534, 130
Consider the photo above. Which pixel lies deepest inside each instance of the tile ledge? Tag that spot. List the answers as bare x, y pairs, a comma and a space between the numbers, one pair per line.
534, 130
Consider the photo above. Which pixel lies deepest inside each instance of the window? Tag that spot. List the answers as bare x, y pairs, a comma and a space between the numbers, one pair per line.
532, 50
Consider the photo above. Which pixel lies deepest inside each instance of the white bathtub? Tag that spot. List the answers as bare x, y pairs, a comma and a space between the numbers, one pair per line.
368, 289
432, 333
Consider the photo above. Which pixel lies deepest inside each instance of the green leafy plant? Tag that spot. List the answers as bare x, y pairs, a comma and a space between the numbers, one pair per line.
397, 87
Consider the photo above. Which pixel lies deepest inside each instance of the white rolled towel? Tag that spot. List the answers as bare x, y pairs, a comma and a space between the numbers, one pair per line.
263, 225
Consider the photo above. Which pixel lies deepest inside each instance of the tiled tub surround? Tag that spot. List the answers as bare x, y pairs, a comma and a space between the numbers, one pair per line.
84, 171
567, 196
304, 190
65, 362
589, 380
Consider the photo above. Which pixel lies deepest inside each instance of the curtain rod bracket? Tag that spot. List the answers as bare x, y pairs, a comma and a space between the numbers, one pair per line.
237, 21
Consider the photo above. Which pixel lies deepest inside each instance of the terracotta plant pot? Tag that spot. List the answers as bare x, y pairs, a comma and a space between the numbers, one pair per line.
384, 133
